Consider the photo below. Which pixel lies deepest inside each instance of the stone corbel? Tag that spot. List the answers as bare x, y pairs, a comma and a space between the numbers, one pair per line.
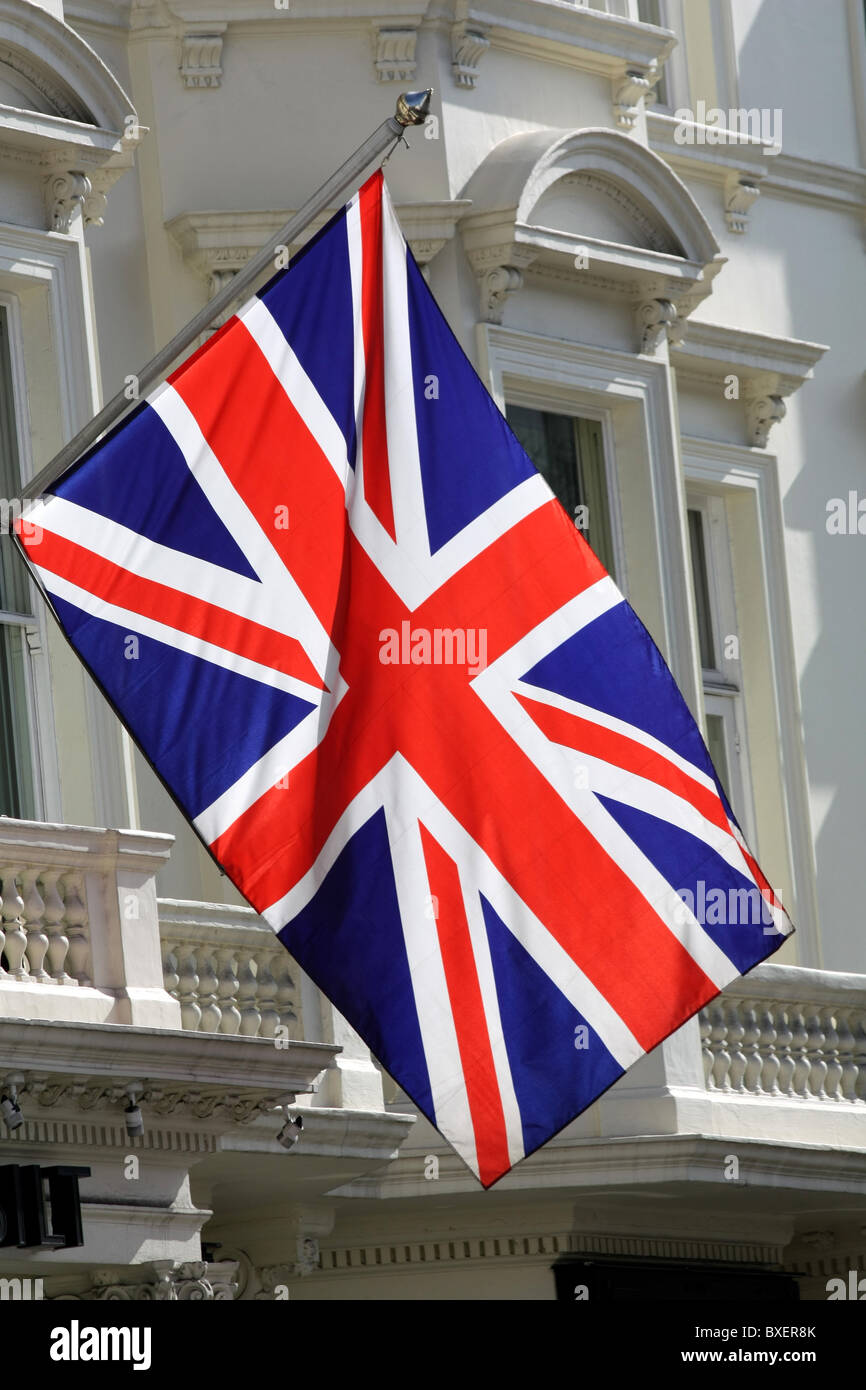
656, 319
499, 270
496, 285
762, 413
394, 53
740, 194
201, 49
629, 89
67, 193
469, 43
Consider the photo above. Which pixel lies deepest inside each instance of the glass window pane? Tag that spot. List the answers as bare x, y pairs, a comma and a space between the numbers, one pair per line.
593, 488
702, 589
14, 587
717, 745
649, 12
569, 454
549, 441
16, 783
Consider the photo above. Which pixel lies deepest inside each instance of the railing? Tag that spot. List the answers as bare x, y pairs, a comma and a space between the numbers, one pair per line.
227, 970
44, 925
784, 1032
79, 939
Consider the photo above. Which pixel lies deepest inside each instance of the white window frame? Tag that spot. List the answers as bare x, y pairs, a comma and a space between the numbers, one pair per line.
54, 265
747, 479
40, 717
723, 688
633, 397
530, 399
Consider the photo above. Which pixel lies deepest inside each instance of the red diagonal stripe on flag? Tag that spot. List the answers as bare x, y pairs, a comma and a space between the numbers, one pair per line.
174, 609
467, 1007
374, 433
274, 462
608, 745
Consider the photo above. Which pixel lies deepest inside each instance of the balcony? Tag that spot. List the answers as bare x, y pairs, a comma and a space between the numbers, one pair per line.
780, 1057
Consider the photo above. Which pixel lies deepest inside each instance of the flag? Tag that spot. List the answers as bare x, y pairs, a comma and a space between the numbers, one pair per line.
401, 700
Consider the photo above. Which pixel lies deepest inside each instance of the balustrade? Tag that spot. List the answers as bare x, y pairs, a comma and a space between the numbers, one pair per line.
227, 970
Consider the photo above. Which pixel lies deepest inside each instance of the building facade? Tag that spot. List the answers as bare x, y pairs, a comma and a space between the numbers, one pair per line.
644, 221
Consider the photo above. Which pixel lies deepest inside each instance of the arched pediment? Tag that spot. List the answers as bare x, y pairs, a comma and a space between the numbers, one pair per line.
547, 172
594, 203
54, 72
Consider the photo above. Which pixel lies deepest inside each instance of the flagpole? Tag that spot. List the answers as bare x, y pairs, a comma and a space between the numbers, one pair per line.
412, 109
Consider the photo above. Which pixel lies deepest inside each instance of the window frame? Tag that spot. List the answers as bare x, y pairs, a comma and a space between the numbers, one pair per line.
603, 421
30, 623
746, 482
633, 396
722, 683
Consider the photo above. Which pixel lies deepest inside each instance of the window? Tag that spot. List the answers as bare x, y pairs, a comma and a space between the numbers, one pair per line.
719, 643
650, 12
568, 451
16, 613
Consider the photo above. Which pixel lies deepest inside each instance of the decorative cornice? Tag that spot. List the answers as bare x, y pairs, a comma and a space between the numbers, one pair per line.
99, 1054
165, 1281
767, 369
816, 181
545, 1249
784, 175
217, 244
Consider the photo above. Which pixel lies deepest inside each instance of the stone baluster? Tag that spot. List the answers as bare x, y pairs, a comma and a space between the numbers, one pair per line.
769, 1084
736, 1034
833, 1077
170, 976
267, 995
16, 937
784, 1042
53, 913
187, 988
847, 1046
800, 1052
751, 1039
285, 990
208, 990
37, 939
3, 972
706, 1050
721, 1057
858, 1028
248, 989
815, 1048
75, 916
230, 1021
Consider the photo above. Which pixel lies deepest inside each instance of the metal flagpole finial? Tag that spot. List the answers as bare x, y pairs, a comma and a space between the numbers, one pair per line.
413, 107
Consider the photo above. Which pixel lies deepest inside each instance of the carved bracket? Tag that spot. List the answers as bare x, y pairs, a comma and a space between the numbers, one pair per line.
468, 45
740, 194
762, 413
629, 89
201, 56
66, 194
395, 54
655, 319
496, 285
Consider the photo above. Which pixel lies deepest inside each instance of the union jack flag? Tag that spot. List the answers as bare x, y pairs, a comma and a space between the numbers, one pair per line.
401, 700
